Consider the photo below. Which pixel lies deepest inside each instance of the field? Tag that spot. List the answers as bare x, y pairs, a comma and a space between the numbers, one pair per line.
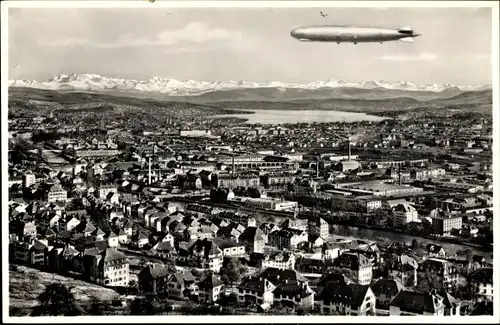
25, 284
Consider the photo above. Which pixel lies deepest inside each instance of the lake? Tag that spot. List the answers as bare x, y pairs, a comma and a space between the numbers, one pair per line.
265, 116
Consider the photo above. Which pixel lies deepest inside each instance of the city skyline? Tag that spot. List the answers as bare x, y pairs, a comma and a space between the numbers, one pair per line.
226, 44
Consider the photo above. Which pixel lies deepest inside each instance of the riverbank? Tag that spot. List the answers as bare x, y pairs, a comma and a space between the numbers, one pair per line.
363, 232
460, 241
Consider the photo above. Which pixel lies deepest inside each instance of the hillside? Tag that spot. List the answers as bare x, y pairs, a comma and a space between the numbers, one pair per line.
38, 99
25, 284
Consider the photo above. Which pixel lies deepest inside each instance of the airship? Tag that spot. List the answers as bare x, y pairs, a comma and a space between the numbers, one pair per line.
351, 34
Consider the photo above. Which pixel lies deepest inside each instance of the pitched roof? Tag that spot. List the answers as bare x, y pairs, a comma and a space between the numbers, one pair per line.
277, 276
39, 246
354, 261
416, 302
483, 275
210, 282
448, 300
335, 278
250, 234
156, 271
111, 254
292, 290
255, 284
69, 251
387, 287
92, 251
350, 294
101, 245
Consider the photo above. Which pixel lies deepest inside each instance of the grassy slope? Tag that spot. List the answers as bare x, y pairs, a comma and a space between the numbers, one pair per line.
26, 284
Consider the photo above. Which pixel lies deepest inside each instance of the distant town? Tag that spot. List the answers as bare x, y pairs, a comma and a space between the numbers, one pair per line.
168, 211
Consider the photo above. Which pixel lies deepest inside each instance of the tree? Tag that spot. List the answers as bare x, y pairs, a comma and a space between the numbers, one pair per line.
97, 308
415, 244
233, 271
141, 307
467, 253
57, 300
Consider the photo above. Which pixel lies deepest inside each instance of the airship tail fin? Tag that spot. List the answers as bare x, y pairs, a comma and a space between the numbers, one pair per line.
407, 39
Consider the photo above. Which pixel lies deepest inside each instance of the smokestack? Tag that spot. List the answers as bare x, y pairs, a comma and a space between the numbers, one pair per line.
349, 155
232, 163
149, 167
399, 174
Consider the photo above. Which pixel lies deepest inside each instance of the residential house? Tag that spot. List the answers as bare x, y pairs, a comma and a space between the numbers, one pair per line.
287, 238
336, 278
211, 288
57, 194
110, 268
68, 223
231, 232
292, 289
153, 279
319, 227
441, 273
416, 303
256, 290
267, 229
23, 228
253, 239
164, 250
357, 265
280, 260
404, 269
205, 254
384, 291
123, 238
182, 285
451, 304
112, 239
139, 240
482, 284
350, 299
230, 248
435, 251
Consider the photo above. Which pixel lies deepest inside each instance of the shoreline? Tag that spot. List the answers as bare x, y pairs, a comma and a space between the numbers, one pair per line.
434, 239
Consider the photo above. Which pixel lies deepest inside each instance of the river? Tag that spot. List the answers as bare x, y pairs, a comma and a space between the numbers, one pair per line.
264, 116
373, 234
53, 157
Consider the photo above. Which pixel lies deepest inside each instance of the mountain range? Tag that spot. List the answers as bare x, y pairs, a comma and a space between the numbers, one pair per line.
207, 91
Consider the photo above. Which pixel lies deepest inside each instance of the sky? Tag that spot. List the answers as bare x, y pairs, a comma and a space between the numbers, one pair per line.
251, 44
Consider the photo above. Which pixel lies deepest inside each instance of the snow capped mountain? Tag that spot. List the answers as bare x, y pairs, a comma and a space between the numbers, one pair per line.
172, 87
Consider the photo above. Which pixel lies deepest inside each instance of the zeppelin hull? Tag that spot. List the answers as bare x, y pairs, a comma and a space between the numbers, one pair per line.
349, 34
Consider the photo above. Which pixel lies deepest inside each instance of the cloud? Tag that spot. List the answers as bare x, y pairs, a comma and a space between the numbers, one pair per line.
65, 42
473, 56
194, 33
405, 57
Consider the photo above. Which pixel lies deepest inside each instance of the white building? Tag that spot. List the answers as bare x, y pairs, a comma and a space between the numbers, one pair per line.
270, 204
57, 194
404, 213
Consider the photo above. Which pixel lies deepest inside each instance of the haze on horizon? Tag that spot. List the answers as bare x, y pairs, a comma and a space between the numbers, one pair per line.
252, 44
